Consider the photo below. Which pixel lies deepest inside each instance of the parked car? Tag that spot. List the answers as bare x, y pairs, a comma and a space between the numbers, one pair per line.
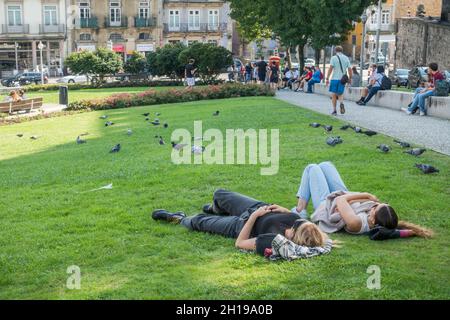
401, 77
447, 78
24, 78
416, 76
310, 62
73, 79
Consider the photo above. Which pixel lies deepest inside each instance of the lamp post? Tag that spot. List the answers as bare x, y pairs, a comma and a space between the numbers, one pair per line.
363, 45
41, 47
16, 46
377, 47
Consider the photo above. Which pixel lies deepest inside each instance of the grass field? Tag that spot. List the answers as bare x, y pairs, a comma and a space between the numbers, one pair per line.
75, 95
49, 223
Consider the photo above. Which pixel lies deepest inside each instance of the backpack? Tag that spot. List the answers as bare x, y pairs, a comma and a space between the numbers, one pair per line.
442, 88
386, 83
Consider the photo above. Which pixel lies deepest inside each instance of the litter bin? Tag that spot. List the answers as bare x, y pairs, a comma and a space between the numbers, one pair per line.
64, 95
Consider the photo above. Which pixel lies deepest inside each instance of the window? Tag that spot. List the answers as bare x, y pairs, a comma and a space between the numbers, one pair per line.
174, 19
115, 13
50, 15
194, 19
385, 17
85, 10
14, 15
144, 36
213, 19
85, 37
115, 37
213, 42
144, 10
374, 18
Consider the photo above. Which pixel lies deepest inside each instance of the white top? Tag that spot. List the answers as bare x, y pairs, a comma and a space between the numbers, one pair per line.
337, 71
364, 224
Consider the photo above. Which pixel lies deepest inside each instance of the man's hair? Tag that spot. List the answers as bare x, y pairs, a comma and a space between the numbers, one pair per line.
262, 57
433, 66
339, 49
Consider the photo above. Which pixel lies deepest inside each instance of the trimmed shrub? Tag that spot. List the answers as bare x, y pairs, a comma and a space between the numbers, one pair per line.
151, 97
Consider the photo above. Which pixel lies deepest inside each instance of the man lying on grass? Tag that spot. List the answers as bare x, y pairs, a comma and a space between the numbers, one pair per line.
270, 230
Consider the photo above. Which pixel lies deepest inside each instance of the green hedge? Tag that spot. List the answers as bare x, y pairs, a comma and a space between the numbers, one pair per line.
122, 84
151, 97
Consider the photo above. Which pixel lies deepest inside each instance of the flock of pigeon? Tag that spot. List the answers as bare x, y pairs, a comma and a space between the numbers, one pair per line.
156, 122
384, 148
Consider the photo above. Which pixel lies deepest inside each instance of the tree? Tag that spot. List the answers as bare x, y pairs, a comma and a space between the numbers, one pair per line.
99, 63
210, 59
136, 63
167, 62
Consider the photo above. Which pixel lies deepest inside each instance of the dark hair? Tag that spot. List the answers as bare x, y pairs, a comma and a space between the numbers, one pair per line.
386, 217
380, 69
262, 57
355, 71
433, 66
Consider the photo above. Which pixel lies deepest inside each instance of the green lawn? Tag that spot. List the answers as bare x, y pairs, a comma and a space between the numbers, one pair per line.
75, 95
48, 224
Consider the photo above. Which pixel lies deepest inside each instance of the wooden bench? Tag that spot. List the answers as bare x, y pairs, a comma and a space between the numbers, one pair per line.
26, 105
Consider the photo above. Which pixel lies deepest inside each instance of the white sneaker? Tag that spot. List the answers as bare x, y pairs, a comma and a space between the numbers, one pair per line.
406, 110
422, 114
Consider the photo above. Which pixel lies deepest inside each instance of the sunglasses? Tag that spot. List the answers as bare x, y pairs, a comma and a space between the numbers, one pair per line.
298, 223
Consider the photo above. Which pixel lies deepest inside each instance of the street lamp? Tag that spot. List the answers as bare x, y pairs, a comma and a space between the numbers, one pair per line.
16, 46
41, 47
363, 45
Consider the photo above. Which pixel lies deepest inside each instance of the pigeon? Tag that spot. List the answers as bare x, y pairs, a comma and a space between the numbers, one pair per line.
80, 141
158, 114
216, 113
402, 144
384, 148
426, 168
129, 132
104, 117
357, 129
116, 148
315, 125
161, 141
146, 114
108, 123
20, 135
345, 127
84, 134
197, 149
34, 137
155, 123
328, 128
369, 133
146, 119
332, 141
178, 146
415, 152
166, 125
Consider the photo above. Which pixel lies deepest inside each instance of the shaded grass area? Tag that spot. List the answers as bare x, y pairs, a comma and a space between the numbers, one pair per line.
48, 223
75, 95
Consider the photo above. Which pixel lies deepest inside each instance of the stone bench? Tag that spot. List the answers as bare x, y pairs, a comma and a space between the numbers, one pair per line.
436, 106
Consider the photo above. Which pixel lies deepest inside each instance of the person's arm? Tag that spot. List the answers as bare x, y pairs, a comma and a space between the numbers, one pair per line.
243, 241
350, 75
352, 221
330, 70
277, 208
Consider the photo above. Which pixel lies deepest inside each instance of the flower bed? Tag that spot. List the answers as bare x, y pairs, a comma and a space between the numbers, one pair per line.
151, 97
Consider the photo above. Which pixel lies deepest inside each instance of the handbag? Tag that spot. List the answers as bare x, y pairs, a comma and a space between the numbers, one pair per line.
344, 78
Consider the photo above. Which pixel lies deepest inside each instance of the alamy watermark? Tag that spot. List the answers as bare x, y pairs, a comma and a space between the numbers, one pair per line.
74, 280
374, 280
229, 147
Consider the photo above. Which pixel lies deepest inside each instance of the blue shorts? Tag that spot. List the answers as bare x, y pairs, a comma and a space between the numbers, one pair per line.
337, 87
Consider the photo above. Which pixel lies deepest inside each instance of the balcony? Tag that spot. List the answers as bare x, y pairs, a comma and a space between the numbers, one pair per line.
201, 28
87, 23
16, 29
386, 28
144, 22
123, 23
53, 28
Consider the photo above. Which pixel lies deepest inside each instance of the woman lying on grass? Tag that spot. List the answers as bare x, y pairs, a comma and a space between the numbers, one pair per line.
358, 213
270, 230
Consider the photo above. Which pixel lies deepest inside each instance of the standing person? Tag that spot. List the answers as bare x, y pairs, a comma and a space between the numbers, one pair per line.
273, 75
230, 71
248, 72
339, 66
189, 73
429, 90
255, 73
262, 70
356, 78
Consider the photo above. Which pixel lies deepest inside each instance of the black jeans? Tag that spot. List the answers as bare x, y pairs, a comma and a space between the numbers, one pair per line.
231, 211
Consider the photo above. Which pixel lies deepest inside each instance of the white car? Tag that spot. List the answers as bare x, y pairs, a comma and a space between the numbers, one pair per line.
310, 62
73, 79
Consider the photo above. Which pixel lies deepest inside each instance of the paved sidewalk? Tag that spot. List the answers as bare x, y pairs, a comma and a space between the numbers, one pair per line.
430, 132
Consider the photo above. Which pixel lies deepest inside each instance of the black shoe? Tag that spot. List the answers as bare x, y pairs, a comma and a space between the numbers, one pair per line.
342, 108
208, 209
165, 215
